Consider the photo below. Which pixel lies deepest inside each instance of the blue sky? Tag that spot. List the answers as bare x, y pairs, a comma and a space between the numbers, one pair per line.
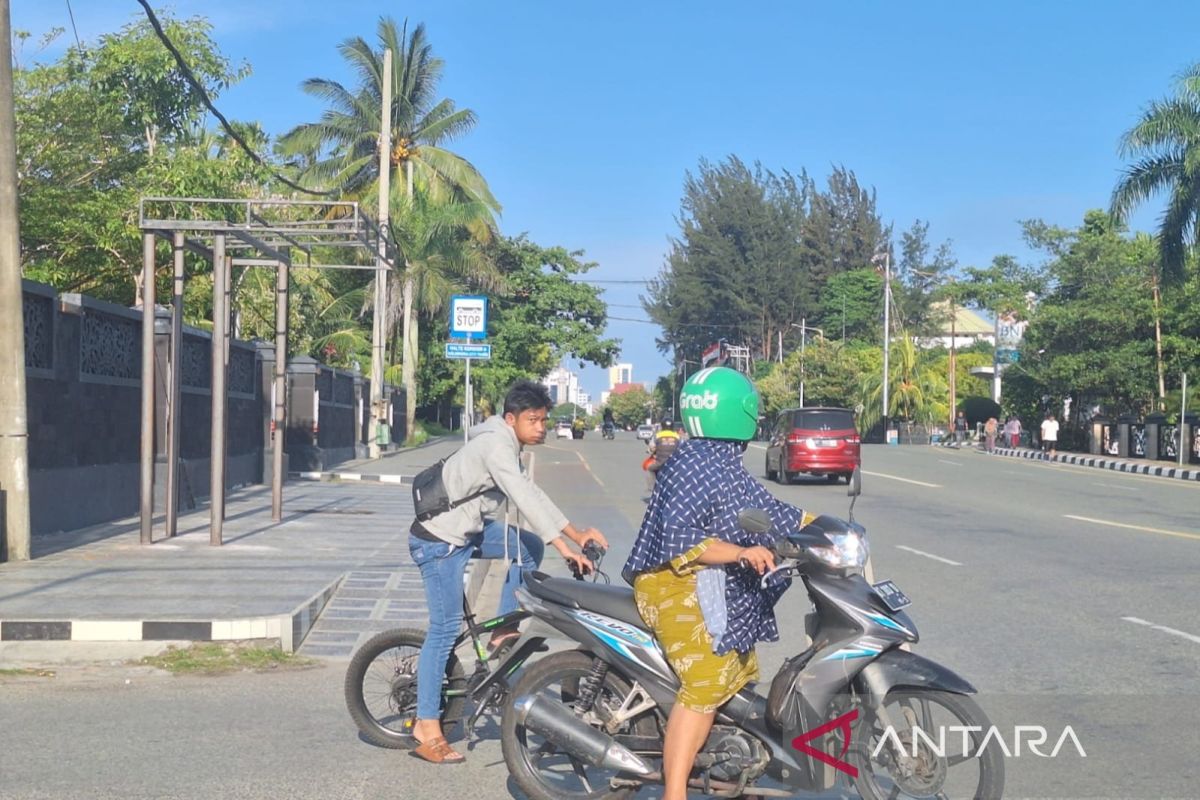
969, 116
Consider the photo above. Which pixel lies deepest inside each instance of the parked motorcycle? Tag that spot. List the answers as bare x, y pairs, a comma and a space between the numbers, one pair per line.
852, 709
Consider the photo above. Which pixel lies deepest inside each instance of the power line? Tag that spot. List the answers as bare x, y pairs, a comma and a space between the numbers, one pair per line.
187, 73
75, 30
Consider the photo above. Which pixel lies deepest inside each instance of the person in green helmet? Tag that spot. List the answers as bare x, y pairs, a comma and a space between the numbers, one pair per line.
691, 554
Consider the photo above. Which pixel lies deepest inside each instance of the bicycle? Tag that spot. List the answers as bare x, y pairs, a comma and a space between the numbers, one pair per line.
381, 681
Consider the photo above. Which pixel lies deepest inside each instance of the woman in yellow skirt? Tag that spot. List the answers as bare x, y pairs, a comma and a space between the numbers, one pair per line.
696, 573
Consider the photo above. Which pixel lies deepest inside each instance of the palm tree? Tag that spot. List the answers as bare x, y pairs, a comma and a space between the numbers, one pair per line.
342, 149
1166, 142
917, 391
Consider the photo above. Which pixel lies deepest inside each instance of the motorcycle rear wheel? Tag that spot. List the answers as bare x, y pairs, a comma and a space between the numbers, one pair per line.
978, 777
539, 769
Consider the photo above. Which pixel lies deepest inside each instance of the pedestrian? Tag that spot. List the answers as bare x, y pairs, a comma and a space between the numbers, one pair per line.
696, 573
1012, 431
960, 429
446, 534
989, 431
1049, 435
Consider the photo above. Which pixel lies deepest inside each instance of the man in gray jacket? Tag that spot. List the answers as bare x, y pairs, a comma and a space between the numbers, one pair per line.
488, 470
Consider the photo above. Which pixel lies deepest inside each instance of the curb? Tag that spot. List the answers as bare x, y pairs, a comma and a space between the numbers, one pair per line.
289, 629
1114, 465
350, 476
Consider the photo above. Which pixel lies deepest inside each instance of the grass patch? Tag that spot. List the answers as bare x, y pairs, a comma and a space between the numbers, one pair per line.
27, 672
217, 658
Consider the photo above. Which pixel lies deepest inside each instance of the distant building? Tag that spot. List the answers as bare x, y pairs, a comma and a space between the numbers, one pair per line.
966, 329
619, 374
584, 401
563, 386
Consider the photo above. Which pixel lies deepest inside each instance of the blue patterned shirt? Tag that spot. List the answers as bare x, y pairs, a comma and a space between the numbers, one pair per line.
697, 496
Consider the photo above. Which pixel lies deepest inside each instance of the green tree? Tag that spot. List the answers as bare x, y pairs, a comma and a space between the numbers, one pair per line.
341, 150
917, 391
852, 302
632, 407
1166, 145
102, 126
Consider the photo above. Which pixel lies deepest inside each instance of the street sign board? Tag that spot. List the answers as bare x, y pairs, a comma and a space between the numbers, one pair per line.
1007, 356
454, 350
468, 317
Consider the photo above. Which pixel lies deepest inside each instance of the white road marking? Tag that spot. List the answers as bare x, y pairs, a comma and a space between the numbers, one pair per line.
758, 446
1114, 486
583, 460
928, 555
1110, 523
955, 463
1163, 628
905, 480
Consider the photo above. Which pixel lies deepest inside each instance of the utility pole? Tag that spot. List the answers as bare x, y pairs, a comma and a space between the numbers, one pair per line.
379, 327
14, 426
887, 334
953, 356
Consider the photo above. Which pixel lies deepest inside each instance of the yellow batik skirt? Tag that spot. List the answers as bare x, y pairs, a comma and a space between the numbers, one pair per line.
666, 599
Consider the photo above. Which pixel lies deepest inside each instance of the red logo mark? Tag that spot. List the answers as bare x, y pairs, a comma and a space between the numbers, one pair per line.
842, 723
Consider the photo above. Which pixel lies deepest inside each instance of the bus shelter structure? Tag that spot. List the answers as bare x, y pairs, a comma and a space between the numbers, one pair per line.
234, 233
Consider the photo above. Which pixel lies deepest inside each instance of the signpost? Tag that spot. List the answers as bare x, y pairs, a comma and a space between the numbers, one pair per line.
468, 320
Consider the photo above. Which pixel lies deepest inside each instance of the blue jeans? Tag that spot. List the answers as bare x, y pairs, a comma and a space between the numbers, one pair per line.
442, 568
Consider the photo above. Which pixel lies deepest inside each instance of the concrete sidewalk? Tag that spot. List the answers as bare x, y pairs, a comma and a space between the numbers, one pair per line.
1159, 469
341, 548
397, 467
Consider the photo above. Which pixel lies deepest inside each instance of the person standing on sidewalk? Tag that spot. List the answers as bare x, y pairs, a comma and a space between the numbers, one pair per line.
960, 429
1012, 432
1049, 435
990, 429
484, 473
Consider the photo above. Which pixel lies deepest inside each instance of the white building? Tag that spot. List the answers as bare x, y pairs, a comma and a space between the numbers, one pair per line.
620, 373
563, 386
584, 401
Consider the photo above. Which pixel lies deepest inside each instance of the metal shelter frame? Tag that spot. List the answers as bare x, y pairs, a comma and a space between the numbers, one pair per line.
268, 231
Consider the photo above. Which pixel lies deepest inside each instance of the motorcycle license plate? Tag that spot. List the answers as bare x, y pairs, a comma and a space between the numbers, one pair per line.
891, 595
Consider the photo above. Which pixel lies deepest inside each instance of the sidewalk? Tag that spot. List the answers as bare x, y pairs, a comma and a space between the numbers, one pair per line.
396, 467
1161, 469
341, 549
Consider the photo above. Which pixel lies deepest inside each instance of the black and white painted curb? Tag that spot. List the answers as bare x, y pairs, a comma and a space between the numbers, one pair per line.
289, 629
349, 476
1132, 467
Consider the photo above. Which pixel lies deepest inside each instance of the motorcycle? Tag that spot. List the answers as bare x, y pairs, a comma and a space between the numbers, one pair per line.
609, 430
853, 709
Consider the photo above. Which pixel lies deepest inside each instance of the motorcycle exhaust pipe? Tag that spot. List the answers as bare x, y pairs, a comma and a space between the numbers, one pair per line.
561, 726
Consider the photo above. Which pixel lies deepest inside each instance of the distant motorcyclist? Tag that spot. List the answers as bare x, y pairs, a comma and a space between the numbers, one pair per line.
662, 444
610, 425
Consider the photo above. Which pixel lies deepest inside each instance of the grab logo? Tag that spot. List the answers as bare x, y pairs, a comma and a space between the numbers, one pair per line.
699, 402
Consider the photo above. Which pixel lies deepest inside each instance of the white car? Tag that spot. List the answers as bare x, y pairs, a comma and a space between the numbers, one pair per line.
562, 430
645, 432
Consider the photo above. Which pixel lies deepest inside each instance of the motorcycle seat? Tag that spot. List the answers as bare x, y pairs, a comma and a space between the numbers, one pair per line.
610, 601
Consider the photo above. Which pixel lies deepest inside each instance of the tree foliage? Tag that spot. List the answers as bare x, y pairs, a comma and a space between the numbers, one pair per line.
754, 251
632, 407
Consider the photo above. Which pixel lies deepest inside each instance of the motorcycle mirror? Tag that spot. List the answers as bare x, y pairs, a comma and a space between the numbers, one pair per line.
754, 520
855, 483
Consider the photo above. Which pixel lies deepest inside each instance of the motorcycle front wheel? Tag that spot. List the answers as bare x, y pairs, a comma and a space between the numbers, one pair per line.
924, 753
542, 770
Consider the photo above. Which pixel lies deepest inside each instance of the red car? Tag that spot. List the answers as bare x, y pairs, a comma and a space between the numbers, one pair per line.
819, 441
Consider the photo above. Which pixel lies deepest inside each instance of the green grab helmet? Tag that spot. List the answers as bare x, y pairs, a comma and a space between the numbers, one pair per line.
719, 403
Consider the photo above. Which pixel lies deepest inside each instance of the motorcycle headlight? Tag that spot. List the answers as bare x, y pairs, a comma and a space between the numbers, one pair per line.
845, 551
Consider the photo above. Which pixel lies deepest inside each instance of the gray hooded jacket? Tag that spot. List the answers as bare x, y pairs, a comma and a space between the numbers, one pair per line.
490, 460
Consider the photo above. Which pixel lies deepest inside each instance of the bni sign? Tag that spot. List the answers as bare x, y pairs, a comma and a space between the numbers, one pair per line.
468, 317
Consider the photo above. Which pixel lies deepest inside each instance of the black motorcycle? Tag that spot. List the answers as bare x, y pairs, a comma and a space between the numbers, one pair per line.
854, 709
609, 430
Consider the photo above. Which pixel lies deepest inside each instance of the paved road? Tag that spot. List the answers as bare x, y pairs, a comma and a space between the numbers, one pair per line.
1023, 581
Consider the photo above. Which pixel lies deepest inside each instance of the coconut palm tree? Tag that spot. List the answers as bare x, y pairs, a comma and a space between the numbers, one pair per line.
341, 150
917, 391
1166, 144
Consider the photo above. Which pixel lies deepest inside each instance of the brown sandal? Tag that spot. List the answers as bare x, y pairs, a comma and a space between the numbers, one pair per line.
438, 751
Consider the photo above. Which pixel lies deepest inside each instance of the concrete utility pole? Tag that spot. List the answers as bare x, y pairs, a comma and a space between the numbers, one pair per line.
379, 328
14, 426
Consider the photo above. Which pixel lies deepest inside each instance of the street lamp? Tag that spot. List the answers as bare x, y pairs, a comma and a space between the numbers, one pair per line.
886, 257
804, 329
